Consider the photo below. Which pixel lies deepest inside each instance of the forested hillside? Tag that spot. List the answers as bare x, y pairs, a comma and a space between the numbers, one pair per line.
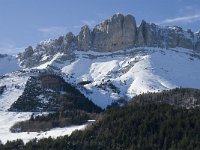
136, 125
50, 92
182, 97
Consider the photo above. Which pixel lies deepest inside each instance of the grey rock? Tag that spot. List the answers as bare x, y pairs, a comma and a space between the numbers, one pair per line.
129, 31
197, 43
141, 35
69, 43
185, 38
70, 38
171, 39
59, 41
118, 32
28, 52
85, 38
146, 35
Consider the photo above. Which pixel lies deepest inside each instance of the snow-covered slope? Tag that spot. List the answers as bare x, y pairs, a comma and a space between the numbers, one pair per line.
107, 76
7, 119
14, 84
123, 74
100, 75
8, 64
104, 77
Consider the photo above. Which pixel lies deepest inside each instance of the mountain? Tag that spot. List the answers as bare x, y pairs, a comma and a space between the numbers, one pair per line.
113, 62
107, 76
116, 33
49, 92
117, 60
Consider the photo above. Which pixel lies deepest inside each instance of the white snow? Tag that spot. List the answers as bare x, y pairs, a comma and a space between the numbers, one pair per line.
131, 71
134, 72
15, 84
45, 65
8, 119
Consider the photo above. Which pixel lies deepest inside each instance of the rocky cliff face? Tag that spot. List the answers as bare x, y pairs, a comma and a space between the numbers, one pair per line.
197, 41
85, 38
116, 33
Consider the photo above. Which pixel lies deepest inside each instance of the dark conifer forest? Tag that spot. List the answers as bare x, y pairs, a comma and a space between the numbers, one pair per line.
138, 125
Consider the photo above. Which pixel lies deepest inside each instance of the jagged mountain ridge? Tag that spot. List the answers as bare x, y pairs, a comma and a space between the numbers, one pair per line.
116, 33
104, 75
145, 63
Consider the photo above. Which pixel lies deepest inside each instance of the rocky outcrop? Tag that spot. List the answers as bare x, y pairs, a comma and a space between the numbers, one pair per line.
27, 57
85, 38
151, 35
69, 42
197, 43
28, 52
116, 33
2, 88
186, 39
177, 37
146, 35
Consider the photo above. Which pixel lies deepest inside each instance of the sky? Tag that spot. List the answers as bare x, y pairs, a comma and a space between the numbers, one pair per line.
27, 22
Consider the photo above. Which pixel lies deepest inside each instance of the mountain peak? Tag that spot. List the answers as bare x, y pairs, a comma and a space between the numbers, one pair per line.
119, 32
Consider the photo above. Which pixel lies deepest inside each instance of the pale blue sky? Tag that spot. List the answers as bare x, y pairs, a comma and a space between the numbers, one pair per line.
27, 22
